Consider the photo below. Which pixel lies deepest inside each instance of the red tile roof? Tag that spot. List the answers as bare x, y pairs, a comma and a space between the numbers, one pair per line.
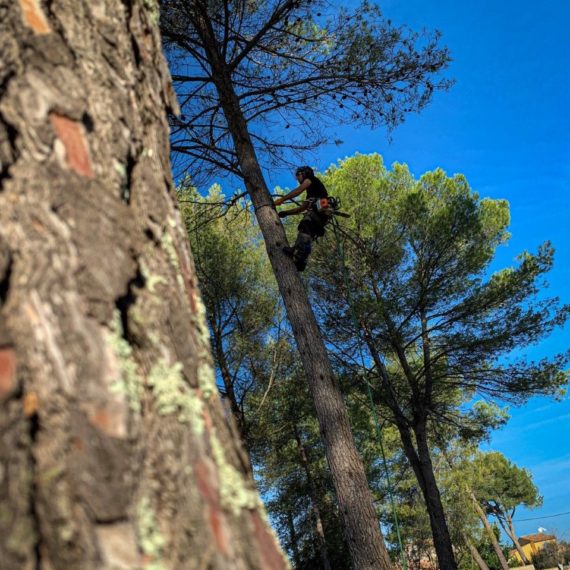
538, 537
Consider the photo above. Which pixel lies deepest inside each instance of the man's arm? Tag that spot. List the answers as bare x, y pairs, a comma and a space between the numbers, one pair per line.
302, 208
294, 193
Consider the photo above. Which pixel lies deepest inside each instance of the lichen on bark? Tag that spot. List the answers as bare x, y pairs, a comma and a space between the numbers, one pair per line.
174, 396
129, 383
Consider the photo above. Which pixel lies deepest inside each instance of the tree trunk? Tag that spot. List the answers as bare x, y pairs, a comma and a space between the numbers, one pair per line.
496, 546
510, 530
222, 363
319, 529
476, 556
424, 472
114, 449
361, 525
293, 539
237, 423
420, 460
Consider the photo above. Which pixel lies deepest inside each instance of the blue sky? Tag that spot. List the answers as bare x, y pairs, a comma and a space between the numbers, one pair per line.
504, 125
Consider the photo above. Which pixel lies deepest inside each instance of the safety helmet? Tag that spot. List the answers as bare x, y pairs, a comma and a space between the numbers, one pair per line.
305, 172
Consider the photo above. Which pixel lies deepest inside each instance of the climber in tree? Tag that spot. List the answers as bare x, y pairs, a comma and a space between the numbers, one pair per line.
315, 207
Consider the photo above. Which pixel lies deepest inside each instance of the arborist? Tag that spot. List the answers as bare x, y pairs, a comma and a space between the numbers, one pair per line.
317, 214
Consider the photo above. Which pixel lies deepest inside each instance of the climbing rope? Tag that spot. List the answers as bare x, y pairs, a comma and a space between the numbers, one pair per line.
355, 322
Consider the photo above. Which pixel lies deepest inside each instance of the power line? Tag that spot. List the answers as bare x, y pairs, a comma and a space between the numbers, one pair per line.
544, 517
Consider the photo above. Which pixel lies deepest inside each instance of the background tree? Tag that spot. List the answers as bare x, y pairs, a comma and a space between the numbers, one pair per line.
239, 292
114, 449
501, 488
285, 434
437, 327
224, 45
292, 472
551, 555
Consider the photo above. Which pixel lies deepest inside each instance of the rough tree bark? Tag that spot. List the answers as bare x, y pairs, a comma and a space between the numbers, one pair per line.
354, 498
114, 449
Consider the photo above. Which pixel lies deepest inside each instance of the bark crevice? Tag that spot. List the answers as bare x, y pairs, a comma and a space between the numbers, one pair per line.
6, 266
126, 301
34, 427
8, 148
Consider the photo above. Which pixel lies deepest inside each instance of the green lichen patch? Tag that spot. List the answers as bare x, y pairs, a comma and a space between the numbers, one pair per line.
150, 279
151, 542
154, 16
206, 374
235, 494
21, 536
167, 244
201, 322
129, 382
174, 396
207, 379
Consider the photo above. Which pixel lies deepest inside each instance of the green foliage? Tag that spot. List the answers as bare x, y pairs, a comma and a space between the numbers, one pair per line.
291, 470
238, 290
502, 485
418, 254
551, 555
486, 550
444, 333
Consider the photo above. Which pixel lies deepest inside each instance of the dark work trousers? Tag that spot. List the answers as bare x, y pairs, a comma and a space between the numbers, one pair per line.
311, 227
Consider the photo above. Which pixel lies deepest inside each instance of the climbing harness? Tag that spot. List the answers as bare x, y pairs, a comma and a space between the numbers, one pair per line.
378, 429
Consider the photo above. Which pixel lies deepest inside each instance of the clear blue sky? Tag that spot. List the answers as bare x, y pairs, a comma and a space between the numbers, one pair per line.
504, 125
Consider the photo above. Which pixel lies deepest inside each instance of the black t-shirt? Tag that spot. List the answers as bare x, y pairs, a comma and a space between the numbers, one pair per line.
316, 189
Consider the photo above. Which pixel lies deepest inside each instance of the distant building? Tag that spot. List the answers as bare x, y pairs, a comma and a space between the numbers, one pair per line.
531, 544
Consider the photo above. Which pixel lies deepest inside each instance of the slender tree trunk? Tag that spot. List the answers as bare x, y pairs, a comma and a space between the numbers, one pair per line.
423, 469
510, 530
114, 449
228, 383
319, 529
236, 421
420, 460
353, 494
432, 497
496, 546
293, 539
476, 555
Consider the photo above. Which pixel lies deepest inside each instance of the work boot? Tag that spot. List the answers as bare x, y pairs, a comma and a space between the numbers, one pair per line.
291, 252
300, 264
300, 251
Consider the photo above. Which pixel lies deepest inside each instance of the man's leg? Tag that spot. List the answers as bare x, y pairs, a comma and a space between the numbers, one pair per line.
300, 250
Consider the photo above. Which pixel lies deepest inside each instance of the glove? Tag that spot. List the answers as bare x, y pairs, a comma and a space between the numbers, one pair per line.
282, 214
